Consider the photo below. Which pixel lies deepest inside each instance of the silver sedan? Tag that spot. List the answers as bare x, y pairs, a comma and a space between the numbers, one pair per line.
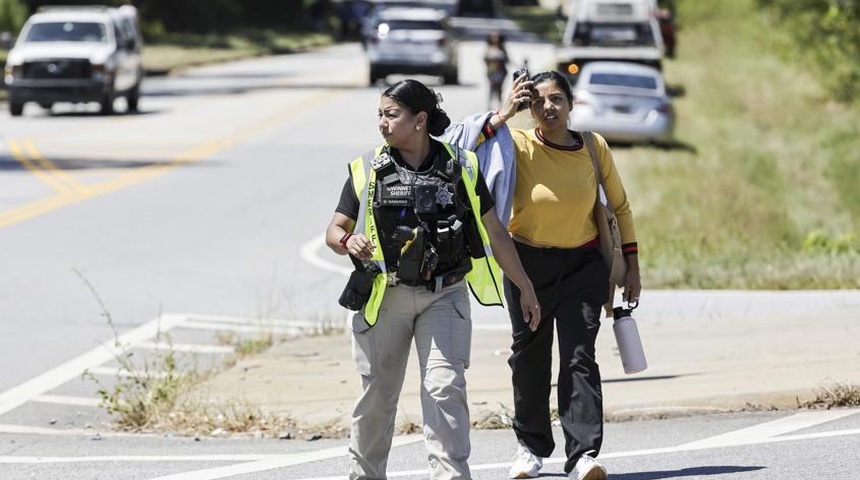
624, 102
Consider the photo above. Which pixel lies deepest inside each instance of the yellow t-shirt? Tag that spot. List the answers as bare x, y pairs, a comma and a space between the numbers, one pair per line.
555, 192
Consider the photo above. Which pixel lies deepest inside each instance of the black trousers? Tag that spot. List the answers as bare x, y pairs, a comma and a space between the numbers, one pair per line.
572, 285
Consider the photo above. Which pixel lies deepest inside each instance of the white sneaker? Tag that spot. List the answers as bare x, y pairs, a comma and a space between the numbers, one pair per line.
526, 464
587, 468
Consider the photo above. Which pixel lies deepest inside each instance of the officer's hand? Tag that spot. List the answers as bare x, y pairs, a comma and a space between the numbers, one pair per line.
360, 246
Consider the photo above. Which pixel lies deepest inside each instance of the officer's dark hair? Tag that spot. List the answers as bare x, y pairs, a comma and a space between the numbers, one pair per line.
417, 97
559, 79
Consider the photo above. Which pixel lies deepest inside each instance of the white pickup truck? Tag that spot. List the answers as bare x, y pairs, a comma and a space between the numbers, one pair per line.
617, 30
76, 54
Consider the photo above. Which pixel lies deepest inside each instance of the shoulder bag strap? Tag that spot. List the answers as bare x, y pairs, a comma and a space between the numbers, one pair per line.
588, 138
607, 209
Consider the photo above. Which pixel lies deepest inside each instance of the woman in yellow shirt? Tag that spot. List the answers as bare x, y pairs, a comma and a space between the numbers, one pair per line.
556, 237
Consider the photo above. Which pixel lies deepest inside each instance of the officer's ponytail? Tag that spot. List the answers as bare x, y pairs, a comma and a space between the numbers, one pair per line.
437, 122
419, 98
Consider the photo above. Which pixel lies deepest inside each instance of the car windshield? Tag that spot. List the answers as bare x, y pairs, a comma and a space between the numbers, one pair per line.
68, 32
410, 25
623, 80
614, 35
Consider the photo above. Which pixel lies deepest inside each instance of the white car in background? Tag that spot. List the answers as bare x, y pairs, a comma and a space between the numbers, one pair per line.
624, 102
412, 41
76, 54
610, 30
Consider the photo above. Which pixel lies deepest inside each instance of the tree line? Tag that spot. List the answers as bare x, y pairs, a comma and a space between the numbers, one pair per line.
184, 16
827, 32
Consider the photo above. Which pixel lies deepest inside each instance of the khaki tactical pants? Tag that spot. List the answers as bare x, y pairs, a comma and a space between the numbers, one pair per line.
441, 327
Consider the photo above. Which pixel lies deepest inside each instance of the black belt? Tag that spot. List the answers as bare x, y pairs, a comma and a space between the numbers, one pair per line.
436, 282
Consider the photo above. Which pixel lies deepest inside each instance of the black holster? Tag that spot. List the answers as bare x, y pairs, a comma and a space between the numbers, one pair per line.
357, 291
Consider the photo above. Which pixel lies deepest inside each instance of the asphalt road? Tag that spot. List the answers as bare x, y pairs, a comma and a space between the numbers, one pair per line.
761, 446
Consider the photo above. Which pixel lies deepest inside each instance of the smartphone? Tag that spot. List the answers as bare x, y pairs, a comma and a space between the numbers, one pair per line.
524, 105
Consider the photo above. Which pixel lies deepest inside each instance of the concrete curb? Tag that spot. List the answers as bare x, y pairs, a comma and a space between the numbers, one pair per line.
702, 365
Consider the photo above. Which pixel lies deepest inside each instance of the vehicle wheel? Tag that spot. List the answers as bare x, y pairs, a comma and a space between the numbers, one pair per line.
16, 107
450, 78
133, 98
107, 104
46, 105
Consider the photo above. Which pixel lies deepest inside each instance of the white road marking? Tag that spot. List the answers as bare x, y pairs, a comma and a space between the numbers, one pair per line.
765, 434
186, 347
67, 400
241, 328
772, 429
306, 324
309, 250
63, 432
92, 362
138, 459
283, 461
124, 373
752, 441
632, 453
109, 350
758, 434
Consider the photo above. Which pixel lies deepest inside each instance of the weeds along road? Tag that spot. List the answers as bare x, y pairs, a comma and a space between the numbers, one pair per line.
207, 204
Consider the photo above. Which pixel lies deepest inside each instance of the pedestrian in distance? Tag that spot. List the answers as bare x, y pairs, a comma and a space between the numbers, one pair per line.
416, 219
556, 236
496, 59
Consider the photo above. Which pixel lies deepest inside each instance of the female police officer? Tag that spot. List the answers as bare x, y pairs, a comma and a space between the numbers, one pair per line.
416, 218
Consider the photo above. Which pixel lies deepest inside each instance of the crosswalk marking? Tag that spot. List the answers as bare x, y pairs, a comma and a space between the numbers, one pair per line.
186, 347
109, 350
772, 429
125, 373
281, 462
94, 361
68, 400
262, 329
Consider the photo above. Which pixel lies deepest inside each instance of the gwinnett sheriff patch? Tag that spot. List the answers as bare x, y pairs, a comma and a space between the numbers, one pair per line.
396, 195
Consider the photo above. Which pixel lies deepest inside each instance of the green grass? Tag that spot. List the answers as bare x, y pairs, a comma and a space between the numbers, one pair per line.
760, 191
764, 161
171, 52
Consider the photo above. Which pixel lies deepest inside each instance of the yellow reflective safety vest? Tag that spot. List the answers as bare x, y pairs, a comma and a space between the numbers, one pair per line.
485, 277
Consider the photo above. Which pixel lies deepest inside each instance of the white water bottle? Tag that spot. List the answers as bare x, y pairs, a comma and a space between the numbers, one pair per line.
629, 343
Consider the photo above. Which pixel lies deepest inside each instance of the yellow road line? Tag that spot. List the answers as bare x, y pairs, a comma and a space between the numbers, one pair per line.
41, 174
200, 152
49, 167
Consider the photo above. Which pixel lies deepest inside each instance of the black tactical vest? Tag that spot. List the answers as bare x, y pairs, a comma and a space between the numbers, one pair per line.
422, 216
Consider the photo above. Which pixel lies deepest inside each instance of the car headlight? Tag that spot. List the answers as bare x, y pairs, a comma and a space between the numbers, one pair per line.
12, 72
